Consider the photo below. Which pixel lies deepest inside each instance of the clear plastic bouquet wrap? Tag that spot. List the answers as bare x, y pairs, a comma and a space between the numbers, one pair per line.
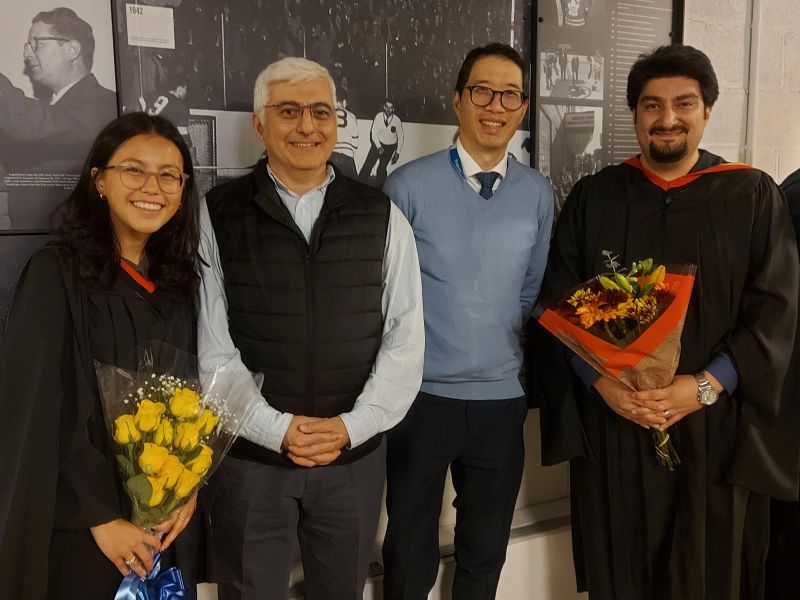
627, 324
169, 433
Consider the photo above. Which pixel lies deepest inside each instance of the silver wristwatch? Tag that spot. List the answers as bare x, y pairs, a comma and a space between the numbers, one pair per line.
706, 394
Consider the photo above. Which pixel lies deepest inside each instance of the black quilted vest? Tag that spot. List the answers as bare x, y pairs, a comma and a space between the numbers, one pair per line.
306, 315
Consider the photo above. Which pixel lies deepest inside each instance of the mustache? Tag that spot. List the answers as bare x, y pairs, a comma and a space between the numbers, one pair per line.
674, 129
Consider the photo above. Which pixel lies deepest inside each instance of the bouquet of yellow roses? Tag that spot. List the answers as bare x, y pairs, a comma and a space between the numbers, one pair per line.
169, 434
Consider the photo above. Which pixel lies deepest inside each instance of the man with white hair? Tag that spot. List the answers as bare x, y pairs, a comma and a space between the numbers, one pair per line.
312, 280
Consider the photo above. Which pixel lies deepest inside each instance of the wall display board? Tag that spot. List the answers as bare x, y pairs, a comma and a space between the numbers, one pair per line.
55, 96
584, 50
48, 120
394, 63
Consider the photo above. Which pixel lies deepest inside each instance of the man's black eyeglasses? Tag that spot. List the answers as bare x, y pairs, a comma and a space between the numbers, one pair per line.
484, 96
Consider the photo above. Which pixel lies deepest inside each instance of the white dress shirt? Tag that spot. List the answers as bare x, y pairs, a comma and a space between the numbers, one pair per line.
397, 372
471, 168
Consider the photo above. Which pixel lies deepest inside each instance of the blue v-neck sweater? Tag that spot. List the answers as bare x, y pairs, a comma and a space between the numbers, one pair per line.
482, 263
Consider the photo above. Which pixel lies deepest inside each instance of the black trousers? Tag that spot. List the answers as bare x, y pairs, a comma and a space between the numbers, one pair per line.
382, 159
260, 511
481, 441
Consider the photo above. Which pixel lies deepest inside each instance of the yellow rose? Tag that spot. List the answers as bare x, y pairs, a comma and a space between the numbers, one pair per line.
158, 490
170, 471
206, 422
148, 415
200, 464
186, 483
185, 403
164, 433
152, 458
187, 436
125, 431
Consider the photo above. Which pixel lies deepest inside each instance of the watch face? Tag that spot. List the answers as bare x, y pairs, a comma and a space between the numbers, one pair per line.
708, 397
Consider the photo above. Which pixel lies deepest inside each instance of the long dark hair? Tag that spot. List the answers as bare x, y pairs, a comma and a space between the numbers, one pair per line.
85, 222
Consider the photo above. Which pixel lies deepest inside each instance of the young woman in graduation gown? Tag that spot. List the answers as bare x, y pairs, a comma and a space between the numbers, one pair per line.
121, 273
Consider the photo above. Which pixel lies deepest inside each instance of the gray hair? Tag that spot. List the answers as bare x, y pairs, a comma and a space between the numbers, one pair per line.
290, 69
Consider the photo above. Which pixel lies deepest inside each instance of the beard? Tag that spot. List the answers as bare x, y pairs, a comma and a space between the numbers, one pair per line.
668, 153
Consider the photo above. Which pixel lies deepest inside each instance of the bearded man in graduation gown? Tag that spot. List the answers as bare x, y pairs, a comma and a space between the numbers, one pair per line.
700, 532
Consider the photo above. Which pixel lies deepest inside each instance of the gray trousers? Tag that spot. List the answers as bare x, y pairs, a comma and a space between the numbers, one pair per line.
260, 512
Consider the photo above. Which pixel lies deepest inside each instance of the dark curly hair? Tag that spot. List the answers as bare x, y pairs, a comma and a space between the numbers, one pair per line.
85, 223
675, 60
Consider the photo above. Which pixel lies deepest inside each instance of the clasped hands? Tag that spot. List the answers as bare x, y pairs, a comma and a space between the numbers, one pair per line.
131, 548
653, 409
313, 441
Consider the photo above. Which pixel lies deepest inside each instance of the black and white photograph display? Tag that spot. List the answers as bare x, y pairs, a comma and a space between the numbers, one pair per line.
394, 64
585, 49
572, 136
56, 93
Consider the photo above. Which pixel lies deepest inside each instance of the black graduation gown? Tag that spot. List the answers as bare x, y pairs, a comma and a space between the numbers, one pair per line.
641, 532
57, 473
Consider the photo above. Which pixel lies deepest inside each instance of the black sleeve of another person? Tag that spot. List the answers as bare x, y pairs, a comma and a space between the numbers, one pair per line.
784, 549
791, 187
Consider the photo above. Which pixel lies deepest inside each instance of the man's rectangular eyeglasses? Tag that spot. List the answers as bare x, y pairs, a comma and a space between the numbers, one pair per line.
33, 43
484, 96
292, 111
134, 177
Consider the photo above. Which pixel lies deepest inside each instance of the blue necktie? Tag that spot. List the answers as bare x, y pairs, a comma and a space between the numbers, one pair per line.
486, 179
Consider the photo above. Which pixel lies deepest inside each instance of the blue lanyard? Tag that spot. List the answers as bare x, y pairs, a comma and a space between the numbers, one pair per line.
455, 160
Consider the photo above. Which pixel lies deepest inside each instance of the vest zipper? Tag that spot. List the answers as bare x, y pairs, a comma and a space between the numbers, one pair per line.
311, 329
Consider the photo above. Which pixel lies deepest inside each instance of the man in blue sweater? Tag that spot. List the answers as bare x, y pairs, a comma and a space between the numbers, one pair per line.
482, 224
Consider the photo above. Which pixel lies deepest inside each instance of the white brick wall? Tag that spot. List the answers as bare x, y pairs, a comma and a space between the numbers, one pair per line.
721, 28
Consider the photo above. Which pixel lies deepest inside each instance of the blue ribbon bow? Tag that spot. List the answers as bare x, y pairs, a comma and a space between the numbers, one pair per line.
165, 586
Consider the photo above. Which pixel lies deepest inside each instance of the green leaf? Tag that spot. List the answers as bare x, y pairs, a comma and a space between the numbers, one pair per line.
125, 466
140, 488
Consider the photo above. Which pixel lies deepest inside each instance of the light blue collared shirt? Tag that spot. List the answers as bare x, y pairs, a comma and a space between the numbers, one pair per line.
304, 209
397, 372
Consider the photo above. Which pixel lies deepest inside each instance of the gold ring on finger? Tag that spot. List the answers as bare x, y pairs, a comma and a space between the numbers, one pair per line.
667, 414
130, 562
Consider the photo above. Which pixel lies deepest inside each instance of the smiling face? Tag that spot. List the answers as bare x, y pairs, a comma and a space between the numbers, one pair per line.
669, 119
137, 214
298, 149
488, 129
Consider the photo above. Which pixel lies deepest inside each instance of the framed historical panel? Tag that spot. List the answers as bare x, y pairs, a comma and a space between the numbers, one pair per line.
56, 93
584, 50
395, 60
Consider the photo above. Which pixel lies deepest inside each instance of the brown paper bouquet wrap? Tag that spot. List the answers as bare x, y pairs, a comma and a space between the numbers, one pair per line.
627, 324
